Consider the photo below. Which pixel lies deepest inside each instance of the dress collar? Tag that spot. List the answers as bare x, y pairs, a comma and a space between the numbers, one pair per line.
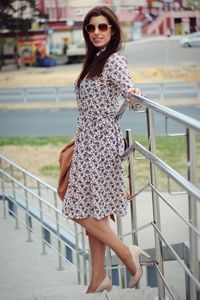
101, 51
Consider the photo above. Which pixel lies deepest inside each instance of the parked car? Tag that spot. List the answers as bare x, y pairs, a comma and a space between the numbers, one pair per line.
76, 53
191, 40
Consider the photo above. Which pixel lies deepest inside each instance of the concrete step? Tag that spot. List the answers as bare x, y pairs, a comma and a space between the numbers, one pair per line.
27, 275
77, 293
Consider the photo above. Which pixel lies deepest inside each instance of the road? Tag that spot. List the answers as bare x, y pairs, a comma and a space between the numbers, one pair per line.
63, 122
161, 52
157, 52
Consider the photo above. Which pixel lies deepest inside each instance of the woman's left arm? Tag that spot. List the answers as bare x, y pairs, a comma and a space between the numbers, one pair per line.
120, 76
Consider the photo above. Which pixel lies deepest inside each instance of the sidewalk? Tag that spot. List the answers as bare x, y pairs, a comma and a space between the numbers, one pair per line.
27, 275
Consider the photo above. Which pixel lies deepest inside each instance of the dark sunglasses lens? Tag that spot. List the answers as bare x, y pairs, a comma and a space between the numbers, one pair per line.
90, 28
103, 27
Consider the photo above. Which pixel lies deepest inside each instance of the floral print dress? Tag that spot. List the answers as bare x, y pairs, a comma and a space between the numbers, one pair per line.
96, 184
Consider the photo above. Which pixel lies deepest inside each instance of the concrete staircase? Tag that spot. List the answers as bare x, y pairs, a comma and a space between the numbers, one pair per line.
27, 275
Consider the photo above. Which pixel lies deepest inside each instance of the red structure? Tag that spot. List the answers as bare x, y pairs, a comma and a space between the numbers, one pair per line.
158, 17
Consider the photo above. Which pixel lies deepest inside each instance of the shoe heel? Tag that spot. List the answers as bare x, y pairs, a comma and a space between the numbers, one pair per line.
106, 284
136, 252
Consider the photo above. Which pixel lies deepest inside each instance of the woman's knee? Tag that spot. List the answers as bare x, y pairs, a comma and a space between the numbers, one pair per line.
85, 222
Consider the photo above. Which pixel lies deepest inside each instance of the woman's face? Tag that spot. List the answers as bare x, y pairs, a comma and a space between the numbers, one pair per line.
99, 35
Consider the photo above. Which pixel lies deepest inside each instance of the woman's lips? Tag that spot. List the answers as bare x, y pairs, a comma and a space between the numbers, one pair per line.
97, 40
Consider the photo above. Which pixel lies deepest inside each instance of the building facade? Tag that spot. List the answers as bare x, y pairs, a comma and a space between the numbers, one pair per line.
144, 17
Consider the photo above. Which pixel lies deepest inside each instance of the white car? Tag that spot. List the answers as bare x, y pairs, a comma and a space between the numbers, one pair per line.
191, 40
76, 53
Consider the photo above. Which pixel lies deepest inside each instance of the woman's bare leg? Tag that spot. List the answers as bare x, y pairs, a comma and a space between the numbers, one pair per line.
101, 230
97, 250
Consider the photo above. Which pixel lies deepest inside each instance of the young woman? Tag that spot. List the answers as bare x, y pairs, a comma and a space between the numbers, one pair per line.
96, 186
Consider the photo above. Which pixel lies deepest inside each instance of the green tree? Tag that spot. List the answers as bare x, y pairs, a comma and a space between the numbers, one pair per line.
12, 18
195, 4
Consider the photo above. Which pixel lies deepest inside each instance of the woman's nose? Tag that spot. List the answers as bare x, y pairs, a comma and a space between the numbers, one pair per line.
96, 30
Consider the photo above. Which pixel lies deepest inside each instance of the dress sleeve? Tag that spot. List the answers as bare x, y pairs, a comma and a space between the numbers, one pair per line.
120, 77
118, 73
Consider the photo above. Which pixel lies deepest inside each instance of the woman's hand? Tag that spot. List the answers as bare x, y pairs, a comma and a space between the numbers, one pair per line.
135, 104
135, 90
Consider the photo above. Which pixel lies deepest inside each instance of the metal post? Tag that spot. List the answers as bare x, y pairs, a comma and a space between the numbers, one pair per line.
3, 191
121, 270
60, 267
198, 90
84, 256
77, 253
14, 199
161, 88
44, 252
155, 204
109, 262
57, 95
193, 247
27, 210
24, 95
132, 189
89, 265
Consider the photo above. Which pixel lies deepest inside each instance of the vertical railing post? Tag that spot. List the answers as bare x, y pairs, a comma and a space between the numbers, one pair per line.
60, 266
44, 252
84, 256
89, 264
24, 95
77, 252
27, 210
3, 190
122, 272
14, 199
162, 89
193, 239
109, 262
57, 94
132, 189
155, 204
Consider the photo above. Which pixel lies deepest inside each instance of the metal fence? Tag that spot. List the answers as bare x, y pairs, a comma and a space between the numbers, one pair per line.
36, 204
153, 91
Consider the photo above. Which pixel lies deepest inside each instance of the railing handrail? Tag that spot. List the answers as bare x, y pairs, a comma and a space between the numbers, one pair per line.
187, 185
31, 192
69, 86
28, 173
158, 90
176, 116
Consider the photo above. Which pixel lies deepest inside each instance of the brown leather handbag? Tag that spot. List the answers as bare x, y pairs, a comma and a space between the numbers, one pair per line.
65, 160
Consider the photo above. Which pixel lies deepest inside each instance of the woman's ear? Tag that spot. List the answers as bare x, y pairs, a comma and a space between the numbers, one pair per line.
112, 32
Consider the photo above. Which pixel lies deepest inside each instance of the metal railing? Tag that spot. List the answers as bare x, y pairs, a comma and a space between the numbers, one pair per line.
27, 202
156, 91
189, 185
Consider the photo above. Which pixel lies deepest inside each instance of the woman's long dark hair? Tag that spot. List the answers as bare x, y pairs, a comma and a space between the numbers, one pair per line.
93, 65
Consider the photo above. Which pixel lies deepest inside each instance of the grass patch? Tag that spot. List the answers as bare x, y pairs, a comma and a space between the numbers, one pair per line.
173, 151
50, 171
40, 156
33, 141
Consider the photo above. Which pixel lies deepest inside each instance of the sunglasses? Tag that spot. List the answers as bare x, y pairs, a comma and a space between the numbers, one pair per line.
90, 28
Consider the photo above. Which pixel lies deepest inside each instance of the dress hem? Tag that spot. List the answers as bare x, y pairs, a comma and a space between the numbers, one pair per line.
95, 217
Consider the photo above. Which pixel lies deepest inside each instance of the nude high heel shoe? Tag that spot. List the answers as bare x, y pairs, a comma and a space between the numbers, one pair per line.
136, 252
106, 284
